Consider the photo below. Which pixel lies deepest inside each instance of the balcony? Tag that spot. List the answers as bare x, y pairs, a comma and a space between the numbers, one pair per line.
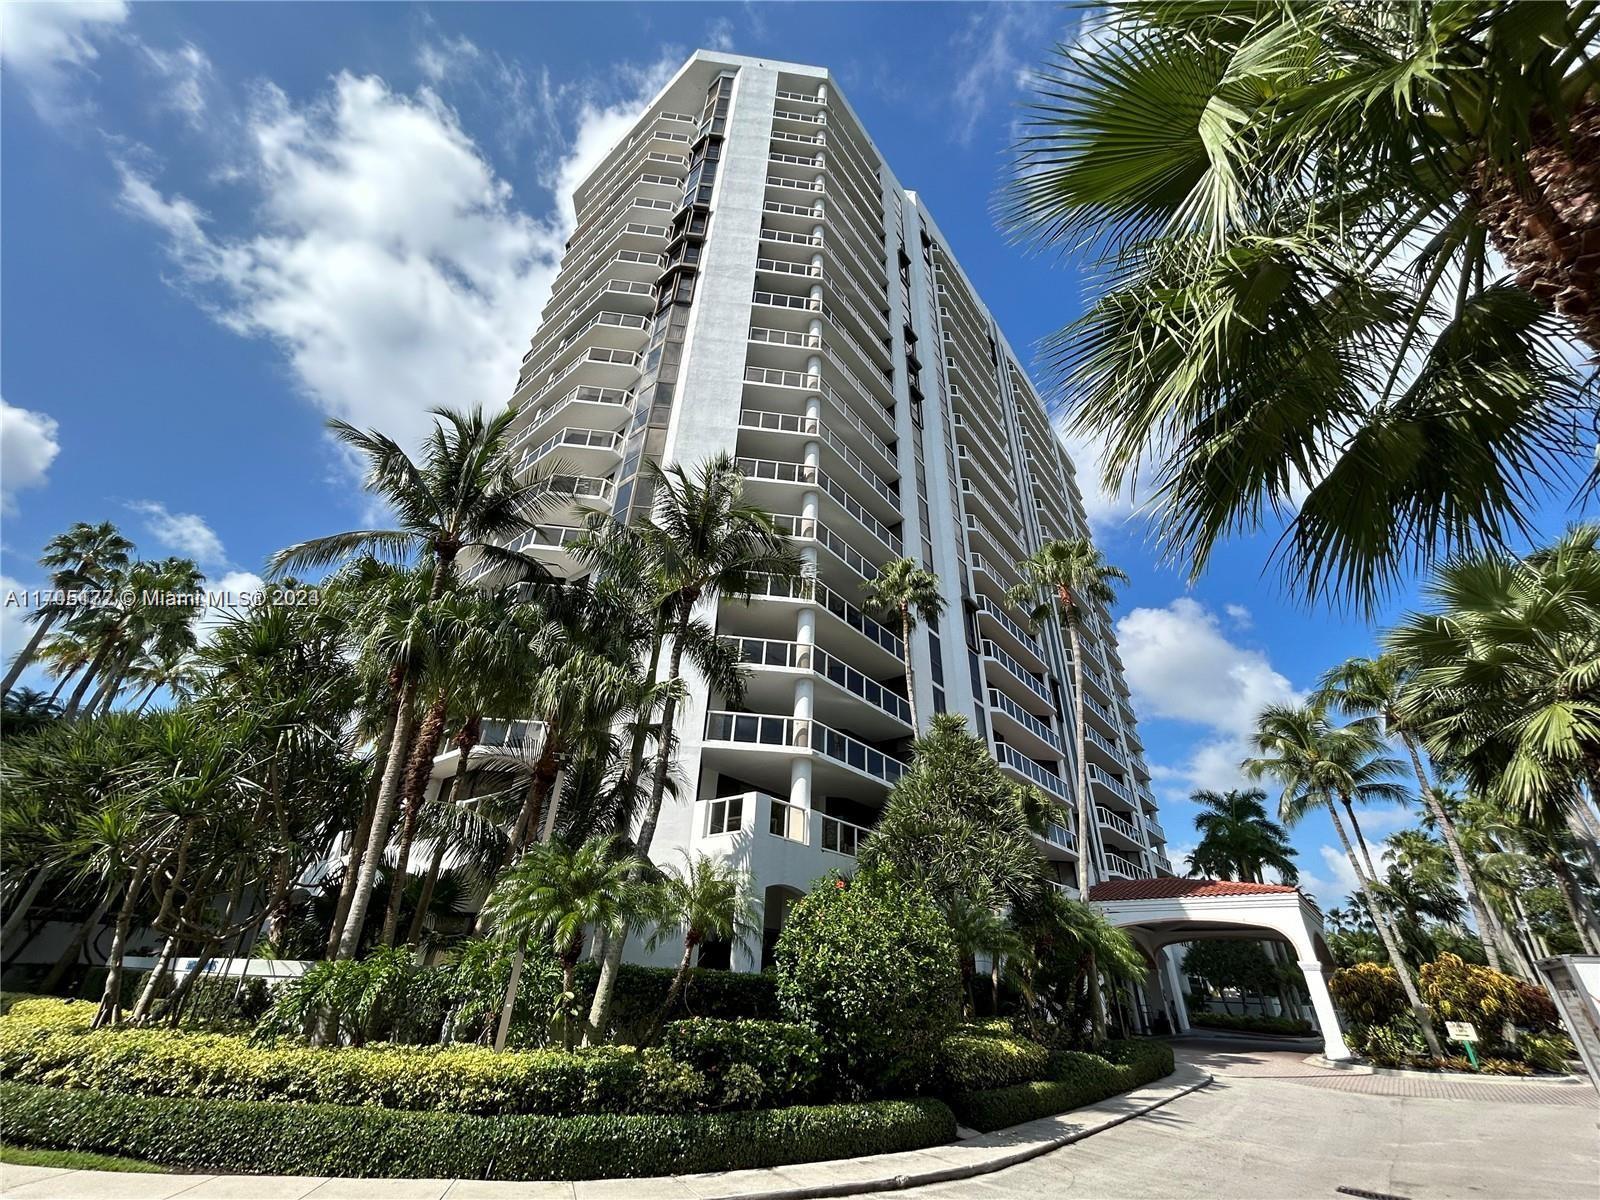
1122, 868
807, 658
1061, 837
1015, 670
814, 591
1024, 723
1111, 783
1052, 783
765, 731
1116, 824
776, 840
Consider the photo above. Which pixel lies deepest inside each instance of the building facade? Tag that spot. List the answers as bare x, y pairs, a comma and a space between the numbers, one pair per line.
748, 276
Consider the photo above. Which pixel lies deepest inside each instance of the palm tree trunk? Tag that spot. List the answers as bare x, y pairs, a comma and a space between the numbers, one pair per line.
359, 837
27, 654
1447, 830
1396, 959
429, 882
152, 983
611, 963
673, 991
382, 818
89, 675
415, 787
911, 683
18, 911
1361, 841
1578, 907
503, 1030
110, 1012
69, 956
1086, 874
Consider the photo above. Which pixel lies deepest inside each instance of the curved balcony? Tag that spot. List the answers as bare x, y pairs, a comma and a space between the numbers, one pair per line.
1053, 785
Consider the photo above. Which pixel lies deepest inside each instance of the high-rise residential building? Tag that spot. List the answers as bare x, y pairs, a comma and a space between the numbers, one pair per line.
748, 276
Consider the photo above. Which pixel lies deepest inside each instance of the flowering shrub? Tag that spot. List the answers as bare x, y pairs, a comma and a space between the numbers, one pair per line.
1368, 993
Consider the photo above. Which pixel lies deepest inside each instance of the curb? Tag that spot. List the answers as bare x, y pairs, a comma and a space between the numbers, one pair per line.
877, 1173
969, 1171
1366, 1068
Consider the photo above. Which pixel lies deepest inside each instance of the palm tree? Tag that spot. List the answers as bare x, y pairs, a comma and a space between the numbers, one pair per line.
1320, 764
1071, 575
912, 594
27, 709
465, 494
703, 541
1063, 578
1237, 838
703, 900
1296, 209
556, 893
79, 560
1501, 685
1372, 687
114, 635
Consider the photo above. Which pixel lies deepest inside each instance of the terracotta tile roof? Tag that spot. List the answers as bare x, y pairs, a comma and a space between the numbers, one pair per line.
1170, 886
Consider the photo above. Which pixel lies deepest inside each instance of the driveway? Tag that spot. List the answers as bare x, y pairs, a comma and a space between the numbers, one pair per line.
1273, 1127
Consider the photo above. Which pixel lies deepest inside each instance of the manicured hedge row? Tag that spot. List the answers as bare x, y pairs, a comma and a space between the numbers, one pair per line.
1075, 1079
970, 1062
314, 1139
708, 1065
641, 991
1288, 1026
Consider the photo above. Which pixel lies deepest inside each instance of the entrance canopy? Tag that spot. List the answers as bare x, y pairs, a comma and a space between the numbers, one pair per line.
1157, 913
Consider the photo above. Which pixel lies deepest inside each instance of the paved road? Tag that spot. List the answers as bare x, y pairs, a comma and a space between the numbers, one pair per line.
1273, 1128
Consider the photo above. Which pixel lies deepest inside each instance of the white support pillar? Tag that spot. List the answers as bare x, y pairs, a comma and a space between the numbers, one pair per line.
1333, 1046
746, 955
1180, 1006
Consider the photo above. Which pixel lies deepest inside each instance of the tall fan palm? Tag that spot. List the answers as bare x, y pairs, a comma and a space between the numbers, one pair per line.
1237, 838
1065, 578
1505, 682
1318, 764
117, 633
79, 560
1372, 687
703, 541
704, 900
556, 893
909, 593
1295, 208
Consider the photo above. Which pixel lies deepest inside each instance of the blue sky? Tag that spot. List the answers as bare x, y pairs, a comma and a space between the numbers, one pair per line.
225, 223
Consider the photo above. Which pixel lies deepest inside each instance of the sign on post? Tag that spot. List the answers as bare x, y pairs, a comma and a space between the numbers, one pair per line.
1461, 1031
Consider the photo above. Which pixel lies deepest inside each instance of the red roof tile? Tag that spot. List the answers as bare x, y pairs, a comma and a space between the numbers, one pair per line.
1171, 886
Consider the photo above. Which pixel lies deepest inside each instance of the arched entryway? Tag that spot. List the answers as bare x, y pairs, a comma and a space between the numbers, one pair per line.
1157, 913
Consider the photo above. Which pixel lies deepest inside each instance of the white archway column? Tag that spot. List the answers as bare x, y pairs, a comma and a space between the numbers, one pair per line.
1180, 1007
1333, 1045
746, 954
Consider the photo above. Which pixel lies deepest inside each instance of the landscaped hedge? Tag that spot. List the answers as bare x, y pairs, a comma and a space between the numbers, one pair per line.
1288, 1026
970, 1062
1075, 1079
314, 1139
641, 991
702, 1068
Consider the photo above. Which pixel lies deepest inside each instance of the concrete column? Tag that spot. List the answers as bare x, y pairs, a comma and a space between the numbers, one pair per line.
800, 767
746, 954
814, 333
1180, 1006
1327, 1019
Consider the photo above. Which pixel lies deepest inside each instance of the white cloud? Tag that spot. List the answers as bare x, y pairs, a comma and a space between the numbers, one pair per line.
1104, 509
602, 126
48, 47
1239, 615
233, 584
720, 35
998, 45
1180, 664
386, 258
28, 445
444, 57
186, 74
1332, 882
14, 631
187, 534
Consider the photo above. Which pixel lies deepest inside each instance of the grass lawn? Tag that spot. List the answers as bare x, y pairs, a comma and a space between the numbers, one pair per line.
73, 1160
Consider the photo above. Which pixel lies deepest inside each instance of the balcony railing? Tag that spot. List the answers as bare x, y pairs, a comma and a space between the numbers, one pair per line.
1022, 716
1122, 868
1023, 676
816, 592
1048, 780
1112, 821
760, 729
1108, 780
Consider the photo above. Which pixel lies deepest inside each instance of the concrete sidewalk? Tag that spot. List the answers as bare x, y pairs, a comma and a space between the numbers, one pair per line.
962, 1159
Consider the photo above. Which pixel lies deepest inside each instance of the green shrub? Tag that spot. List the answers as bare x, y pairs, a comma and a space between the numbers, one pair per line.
309, 1139
872, 968
1458, 991
1076, 1079
386, 996
747, 1063
1368, 993
701, 1064
1547, 1051
641, 991
1392, 1044
1290, 1026
1535, 1009
970, 1062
